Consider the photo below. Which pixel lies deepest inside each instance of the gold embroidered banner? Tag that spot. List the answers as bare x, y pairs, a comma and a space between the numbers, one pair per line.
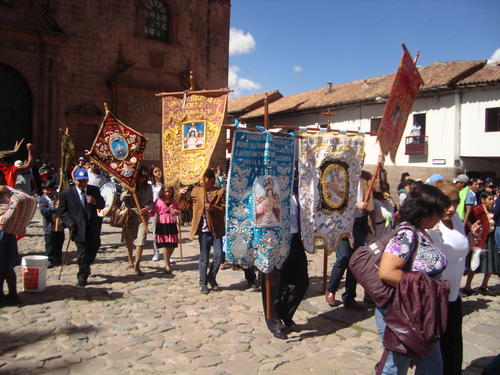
329, 170
191, 127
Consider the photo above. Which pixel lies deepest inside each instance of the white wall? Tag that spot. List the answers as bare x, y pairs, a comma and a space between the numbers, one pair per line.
474, 141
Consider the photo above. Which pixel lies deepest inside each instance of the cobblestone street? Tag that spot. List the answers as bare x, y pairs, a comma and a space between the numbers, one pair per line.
127, 324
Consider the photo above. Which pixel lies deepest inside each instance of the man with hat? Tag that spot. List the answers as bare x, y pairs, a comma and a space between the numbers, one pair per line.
489, 185
461, 182
78, 209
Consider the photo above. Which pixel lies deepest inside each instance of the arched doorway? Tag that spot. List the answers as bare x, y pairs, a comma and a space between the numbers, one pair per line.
16, 110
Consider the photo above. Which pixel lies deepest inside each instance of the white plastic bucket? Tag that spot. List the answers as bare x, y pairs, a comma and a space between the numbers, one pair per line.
34, 270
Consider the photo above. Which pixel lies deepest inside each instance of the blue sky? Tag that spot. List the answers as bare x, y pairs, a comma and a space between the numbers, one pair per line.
299, 45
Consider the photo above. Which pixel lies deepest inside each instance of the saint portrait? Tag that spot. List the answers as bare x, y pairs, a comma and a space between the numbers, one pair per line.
193, 135
118, 146
334, 185
267, 201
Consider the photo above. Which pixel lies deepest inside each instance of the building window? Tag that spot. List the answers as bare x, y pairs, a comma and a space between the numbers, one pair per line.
492, 119
156, 25
375, 124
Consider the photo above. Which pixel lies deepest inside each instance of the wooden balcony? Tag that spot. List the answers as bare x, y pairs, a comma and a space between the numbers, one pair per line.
416, 145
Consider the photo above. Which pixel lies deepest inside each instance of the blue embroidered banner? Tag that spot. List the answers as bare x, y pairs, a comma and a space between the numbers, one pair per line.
258, 199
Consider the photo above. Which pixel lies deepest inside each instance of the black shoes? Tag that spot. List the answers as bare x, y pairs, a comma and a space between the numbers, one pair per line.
203, 289
81, 282
292, 326
352, 304
486, 292
213, 283
10, 300
466, 292
279, 333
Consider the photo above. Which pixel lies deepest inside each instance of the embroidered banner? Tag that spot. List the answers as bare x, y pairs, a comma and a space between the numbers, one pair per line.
258, 199
329, 170
118, 149
67, 153
404, 90
191, 127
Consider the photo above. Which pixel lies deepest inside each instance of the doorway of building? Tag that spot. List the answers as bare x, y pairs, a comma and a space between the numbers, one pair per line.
16, 110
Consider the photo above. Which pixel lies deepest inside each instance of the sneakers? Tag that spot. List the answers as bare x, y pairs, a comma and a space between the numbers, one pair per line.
156, 257
203, 289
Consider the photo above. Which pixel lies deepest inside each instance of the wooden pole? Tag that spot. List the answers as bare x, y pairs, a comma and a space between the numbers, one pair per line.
61, 177
65, 253
179, 229
138, 205
374, 176
268, 275
325, 267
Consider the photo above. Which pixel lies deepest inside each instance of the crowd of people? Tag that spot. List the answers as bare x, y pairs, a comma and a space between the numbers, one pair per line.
440, 229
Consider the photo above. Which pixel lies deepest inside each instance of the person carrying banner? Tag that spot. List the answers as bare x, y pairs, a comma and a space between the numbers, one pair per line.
54, 237
344, 250
208, 204
134, 234
78, 210
288, 284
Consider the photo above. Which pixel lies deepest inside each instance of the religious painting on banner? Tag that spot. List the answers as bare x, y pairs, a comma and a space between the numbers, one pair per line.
118, 150
329, 171
258, 199
191, 127
404, 90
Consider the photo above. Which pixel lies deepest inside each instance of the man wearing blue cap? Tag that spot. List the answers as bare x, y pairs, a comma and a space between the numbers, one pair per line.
77, 209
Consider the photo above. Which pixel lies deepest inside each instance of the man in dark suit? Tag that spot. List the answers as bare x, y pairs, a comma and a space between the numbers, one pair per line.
77, 209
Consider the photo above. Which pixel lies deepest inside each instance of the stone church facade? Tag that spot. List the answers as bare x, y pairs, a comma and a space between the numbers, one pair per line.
60, 60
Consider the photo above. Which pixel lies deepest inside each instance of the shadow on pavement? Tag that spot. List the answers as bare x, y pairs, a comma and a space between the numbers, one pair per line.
479, 364
62, 292
13, 342
333, 320
471, 305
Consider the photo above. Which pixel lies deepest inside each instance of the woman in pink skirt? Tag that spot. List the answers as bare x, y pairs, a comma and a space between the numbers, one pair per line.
166, 225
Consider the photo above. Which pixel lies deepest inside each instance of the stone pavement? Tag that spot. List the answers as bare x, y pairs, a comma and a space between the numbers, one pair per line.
126, 324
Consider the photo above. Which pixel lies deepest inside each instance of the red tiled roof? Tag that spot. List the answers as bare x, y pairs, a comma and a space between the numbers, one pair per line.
488, 74
240, 104
438, 75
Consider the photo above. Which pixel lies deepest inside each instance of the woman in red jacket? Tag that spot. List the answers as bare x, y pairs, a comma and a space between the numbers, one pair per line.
490, 260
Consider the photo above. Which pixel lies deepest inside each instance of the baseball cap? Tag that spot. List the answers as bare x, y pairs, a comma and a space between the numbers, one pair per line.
81, 174
18, 163
434, 178
81, 158
462, 178
489, 182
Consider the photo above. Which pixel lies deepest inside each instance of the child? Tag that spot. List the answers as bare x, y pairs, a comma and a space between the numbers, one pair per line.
166, 225
54, 240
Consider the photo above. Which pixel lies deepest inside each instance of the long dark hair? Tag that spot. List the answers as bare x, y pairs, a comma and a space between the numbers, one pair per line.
153, 177
422, 201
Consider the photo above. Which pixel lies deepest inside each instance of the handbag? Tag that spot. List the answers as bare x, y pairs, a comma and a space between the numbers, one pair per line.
119, 216
365, 262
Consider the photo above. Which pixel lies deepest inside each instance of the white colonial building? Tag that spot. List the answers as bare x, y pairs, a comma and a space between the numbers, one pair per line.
457, 109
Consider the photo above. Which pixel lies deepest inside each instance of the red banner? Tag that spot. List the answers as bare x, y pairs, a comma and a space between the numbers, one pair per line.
118, 150
404, 90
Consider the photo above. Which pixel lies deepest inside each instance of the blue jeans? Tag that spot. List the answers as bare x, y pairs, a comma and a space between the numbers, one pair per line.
207, 240
343, 255
398, 364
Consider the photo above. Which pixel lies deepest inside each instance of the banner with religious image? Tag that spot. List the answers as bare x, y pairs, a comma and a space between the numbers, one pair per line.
191, 127
258, 199
329, 171
118, 150
404, 90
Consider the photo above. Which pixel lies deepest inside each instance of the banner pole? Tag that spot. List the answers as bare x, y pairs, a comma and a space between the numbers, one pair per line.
325, 266
268, 275
65, 254
179, 229
61, 176
138, 205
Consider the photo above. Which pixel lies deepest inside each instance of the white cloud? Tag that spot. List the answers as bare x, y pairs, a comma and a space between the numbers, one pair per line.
239, 84
297, 68
495, 57
239, 42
